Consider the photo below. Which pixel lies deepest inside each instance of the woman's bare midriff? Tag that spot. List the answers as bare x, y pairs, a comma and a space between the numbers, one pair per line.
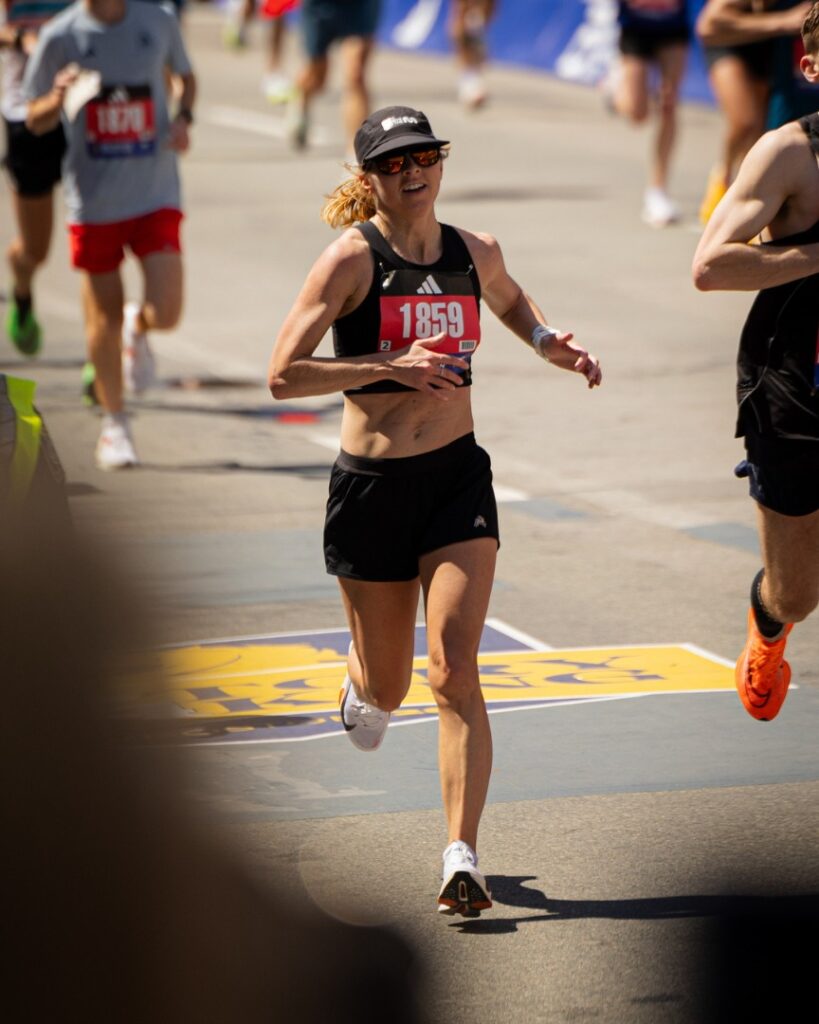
397, 425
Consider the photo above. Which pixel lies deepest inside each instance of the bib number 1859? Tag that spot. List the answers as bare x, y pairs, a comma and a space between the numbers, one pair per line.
432, 318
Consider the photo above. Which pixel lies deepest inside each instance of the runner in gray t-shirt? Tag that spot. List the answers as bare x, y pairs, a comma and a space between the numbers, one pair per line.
118, 164
101, 68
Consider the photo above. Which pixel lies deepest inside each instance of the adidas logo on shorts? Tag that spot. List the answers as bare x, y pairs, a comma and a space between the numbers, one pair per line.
479, 521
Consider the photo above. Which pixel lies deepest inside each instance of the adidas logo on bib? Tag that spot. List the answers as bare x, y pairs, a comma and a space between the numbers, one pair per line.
429, 286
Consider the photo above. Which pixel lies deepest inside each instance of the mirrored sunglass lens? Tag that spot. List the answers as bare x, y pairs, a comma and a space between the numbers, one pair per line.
426, 157
391, 164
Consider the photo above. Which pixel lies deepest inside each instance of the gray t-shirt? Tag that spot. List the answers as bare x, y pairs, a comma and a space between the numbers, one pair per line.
118, 164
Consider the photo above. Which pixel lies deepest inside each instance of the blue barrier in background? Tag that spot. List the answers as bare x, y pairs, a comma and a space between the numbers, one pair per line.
572, 39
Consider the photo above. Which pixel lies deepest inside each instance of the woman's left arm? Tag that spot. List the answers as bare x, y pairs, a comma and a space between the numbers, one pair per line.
519, 312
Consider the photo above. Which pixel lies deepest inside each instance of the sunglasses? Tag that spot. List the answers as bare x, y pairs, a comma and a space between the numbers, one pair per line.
394, 163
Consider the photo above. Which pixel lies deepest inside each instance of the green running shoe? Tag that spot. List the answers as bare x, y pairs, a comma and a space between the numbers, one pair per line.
24, 332
89, 394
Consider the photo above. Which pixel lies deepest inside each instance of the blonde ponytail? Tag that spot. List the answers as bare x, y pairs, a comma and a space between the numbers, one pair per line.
349, 203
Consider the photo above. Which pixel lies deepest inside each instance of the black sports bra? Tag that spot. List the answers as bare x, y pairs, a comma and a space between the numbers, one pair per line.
407, 301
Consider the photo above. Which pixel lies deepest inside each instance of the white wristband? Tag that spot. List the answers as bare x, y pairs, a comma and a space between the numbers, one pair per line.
540, 335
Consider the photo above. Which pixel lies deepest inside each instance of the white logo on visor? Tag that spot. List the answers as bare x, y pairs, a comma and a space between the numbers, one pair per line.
430, 286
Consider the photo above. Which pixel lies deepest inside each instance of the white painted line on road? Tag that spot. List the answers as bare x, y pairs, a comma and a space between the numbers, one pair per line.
518, 634
172, 345
507, 494
703, 653
325, 441
258, 124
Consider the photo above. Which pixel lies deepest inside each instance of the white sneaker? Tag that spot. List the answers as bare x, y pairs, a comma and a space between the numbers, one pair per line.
471, 90
276, 88
364, 723
138, 365
464, 888
658, 209
115, 449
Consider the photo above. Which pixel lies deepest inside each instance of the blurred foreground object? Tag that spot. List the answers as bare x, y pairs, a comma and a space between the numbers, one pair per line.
118, 904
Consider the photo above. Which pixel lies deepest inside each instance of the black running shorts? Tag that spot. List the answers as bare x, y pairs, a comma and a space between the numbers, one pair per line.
783, 474
646, 45
383, 514
34, 162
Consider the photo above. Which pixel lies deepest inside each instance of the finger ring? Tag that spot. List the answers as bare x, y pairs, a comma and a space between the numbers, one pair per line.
440, 369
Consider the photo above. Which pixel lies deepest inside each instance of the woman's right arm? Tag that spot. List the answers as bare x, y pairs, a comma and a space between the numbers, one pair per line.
336, 284
732, 23
48, 89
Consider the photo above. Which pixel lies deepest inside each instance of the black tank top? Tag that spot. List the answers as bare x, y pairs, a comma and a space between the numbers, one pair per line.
778, 361
407, 301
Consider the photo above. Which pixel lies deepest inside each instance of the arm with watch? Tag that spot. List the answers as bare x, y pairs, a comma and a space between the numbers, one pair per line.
179, 134
520, 314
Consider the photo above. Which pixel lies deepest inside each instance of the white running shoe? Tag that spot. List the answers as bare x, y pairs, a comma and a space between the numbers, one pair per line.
471, 90
277, 88
115, 449
658, 209
464, 889
364, 723
138, 365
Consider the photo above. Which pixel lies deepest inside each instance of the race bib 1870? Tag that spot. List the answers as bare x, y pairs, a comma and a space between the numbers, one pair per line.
120, 122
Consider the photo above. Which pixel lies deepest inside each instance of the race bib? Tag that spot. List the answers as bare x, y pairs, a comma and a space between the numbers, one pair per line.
120, 122
419, 304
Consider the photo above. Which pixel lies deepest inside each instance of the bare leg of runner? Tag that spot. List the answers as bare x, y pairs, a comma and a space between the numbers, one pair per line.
787, 592
159, 310
163, 290
743, 100
671, 61
790, 554
311, 81
457, 583
34, 216
276, 86
102, 301
355, 57
382, 622
102, 296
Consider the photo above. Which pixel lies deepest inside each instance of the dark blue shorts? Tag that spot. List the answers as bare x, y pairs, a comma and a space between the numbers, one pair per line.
647, 45
783, 475
383, 514
324, 22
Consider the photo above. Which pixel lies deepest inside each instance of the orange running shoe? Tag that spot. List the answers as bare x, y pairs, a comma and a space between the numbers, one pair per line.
762, 675
715, 189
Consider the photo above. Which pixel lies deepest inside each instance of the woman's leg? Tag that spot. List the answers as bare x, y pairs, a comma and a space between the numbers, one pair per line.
457, 582
382, 622
671, 61
631, 92
743, 101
